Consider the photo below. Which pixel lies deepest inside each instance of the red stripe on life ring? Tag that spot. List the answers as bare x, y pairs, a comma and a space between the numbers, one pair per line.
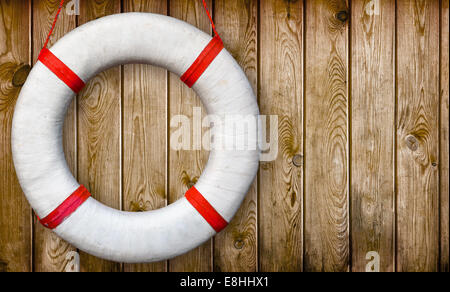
61, 70
206, 210
63, 211
203, 61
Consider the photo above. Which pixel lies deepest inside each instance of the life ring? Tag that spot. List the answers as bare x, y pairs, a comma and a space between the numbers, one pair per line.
65, 206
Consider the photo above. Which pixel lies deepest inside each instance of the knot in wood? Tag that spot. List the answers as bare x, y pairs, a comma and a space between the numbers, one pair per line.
412, 143
342, 15
20, 76
138, 207
239, 244
297, 160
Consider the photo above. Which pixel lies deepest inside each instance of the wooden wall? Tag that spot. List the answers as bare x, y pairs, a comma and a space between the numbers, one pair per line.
361, 88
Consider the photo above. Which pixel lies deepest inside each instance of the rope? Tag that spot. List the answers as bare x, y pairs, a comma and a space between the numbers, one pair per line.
210, 19
62, 4
54, 23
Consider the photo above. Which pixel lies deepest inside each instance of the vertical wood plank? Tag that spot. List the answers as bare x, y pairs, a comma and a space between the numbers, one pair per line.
99, 133
373, 120
444, 160
51, 251
185, 167
418, 135
144, 134
281, 93
235, 248
326, 144
15, 213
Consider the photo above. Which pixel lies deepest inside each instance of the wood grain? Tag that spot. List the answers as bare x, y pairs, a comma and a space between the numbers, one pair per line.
418, 135
235, 248
15, 213
373, 120
444, 153
50, 251
281, 181
363, 160
326, 144
185, 167
145, 134
99, 133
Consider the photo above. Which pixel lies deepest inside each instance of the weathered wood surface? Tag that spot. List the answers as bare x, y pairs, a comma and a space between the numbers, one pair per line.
361, 92
144, 134
51, 252
236, 248
281, 93
185, 167
444, 153
15, 213
99, 133
418, 135
326, 138
372, 121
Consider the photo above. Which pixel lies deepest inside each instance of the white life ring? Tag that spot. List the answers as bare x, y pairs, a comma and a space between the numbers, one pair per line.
37, 138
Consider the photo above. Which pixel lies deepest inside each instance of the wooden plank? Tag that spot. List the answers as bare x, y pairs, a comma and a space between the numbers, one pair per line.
99, 133
235, 248
281, 94
373, 120
15, 212
185, 167
444, 160
418, 135
326, 144
145, 134
51, 252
